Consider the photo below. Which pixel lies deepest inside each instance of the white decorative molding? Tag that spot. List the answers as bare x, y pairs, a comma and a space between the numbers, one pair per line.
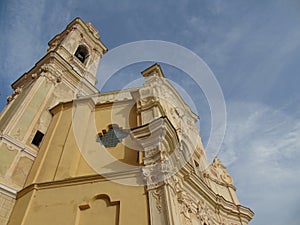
9, 191
111, 97
157, 194
17, 144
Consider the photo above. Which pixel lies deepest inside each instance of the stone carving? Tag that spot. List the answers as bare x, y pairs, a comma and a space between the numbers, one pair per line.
93, 30
18, 90
206, 215
217, 171
188, 206
9, 99
34, 76
175, 184
223, 221
15, 94
145, 92
148, 176
148, 102
185, 203
221, 171
17, 134
152, 152
157, 194
166, 166
157, 173
203, 213
50, 73
54, 43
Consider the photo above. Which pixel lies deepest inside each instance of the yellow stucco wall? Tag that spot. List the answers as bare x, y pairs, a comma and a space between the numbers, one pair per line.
78, 202
61, 203
10, 110
25, 120
6, 206
122, 115
7, 156
59, 156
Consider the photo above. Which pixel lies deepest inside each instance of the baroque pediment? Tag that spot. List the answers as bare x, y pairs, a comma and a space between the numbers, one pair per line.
218, 172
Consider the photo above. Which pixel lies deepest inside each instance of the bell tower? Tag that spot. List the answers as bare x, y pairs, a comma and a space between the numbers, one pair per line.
66, 71
79, 45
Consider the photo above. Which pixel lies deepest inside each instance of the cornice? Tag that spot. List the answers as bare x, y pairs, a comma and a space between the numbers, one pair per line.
89, 179
114, 96
60, 107
153, 70
220, 183
148, 129
93, 35
20, 146
64, 68
89, 29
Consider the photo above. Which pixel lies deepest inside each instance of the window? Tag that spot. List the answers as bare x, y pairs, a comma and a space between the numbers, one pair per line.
38, 137
82, 53
112, 137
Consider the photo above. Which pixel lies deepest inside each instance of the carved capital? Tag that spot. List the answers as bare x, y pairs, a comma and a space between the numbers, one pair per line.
157, 174
50, 73
147, 102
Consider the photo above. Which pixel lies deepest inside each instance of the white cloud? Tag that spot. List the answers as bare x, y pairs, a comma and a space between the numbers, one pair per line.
261, 150
22, 35
24, 39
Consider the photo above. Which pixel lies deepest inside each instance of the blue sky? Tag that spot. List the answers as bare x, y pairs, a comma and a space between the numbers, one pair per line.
253, 48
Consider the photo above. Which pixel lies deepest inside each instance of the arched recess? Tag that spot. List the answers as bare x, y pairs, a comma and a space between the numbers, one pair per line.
100, 210
82, 53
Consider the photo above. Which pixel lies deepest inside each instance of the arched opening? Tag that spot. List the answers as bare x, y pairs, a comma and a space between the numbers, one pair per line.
82, 53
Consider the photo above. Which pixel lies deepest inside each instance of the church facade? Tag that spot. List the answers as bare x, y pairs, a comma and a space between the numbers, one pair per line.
72, 155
